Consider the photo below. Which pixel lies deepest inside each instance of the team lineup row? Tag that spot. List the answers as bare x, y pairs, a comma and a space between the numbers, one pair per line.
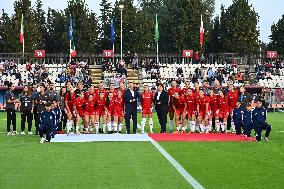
198, 107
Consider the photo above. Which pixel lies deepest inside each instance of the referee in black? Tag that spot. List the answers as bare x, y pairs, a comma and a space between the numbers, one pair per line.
11, 109
26, 109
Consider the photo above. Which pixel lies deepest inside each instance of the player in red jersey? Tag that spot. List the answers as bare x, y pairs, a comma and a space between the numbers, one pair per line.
118, 112
101, 89
196, 89
214, 107
223, 111
180, 111
112, 90
190, 106
100, 111
233, 96
121, 88
185, 89
146, 101
69, 100
203, 111
89, 112
90, 91
78, 110
171, 93
110, 104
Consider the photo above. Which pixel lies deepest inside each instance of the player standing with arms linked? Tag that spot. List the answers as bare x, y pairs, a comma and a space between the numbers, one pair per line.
233, 98
146, 101
171, 93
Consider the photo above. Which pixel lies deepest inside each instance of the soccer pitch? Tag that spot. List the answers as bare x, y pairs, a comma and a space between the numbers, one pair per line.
25, 163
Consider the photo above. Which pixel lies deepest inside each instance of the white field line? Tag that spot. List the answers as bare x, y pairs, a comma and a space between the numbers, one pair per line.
194, 183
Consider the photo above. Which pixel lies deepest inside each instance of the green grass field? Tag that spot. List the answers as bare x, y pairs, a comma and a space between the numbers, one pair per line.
27, 164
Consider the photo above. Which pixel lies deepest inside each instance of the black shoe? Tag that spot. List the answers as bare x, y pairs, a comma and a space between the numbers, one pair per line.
119, 132
110, 132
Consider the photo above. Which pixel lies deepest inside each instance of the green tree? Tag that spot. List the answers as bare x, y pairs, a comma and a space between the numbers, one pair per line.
239, 33
40, 21
138, 28
5, 33
214, 45
105, 18
56, 37
277, 36
180, 24
32, 30
85, 26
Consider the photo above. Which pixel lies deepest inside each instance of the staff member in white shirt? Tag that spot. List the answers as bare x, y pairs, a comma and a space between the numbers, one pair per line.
161, 101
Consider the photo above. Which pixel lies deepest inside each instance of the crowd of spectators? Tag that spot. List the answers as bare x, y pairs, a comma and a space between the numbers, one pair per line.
114, 68
211, 74
266, 69
31, 73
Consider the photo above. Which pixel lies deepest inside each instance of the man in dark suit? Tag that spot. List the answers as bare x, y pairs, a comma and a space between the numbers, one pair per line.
131, 96
161, 100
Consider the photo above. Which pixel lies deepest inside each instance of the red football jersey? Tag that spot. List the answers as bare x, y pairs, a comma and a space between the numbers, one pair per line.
190, 102
223, 103
183, 91
233, 98
202, 103
171, 92
70, 100
89, 93
179, 103
98, 91
100, 104
119, 104
147, 99
111, 105
113, 93
89, 106
78, 103
213, 102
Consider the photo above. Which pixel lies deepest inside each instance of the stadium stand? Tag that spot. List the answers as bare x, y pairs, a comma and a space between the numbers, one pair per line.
28, 73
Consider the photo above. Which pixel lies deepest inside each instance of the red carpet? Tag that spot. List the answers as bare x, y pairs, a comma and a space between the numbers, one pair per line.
200, 137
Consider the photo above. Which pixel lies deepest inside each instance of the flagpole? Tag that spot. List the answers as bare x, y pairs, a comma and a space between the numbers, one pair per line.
23, 47
113, 53
22, 31
157, 52
70, 55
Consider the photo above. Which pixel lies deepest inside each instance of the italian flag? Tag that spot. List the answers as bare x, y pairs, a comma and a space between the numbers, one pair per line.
22, 31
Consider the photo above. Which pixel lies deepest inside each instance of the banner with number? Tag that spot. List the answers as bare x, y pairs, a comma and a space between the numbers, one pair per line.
108, 53
39, 54
272, 54
187, 53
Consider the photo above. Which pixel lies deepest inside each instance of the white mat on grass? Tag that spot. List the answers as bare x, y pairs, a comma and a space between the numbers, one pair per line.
101, 138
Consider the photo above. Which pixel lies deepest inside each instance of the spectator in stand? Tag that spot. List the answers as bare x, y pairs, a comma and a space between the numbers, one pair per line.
121, 68
135, 61
240, 78
247, 72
